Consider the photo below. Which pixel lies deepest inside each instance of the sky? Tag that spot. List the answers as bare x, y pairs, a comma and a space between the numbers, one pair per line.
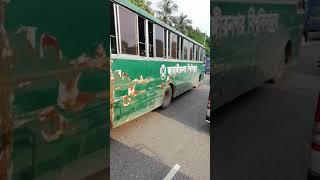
197, 10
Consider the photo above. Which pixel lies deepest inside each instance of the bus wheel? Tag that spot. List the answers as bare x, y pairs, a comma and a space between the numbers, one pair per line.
167, 97
197, 82
287, 59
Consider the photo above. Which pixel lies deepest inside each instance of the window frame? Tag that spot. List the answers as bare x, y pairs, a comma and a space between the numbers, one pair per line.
170, 42
154, 41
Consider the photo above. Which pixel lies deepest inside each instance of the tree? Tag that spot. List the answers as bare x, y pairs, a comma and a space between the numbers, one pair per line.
167, 8
143, 4
182, 23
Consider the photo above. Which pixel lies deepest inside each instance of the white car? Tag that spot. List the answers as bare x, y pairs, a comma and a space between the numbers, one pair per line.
314, 172
208, 109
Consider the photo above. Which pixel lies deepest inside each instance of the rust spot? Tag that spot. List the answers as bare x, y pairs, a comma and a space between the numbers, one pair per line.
47, 116
126, 100
6, 94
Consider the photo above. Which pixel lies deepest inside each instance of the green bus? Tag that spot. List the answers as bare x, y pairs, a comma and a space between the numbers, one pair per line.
151, 63
53, 89
252, 42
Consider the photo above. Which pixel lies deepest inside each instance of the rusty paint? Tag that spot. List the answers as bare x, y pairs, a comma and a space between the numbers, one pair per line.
50, 115
6, 123
67, 112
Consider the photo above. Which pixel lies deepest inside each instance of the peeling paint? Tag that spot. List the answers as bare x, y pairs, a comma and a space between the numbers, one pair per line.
6, 123
31, 34
50, 115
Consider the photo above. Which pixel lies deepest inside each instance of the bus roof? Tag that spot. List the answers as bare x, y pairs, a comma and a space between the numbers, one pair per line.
145, 14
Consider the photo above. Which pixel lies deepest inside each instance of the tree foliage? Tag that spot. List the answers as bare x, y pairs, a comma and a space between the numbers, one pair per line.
143, 4
167, 8
182, 23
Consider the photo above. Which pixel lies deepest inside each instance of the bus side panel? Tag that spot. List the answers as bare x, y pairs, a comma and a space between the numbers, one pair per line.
54, 87
138, 85
251, 51
131, 89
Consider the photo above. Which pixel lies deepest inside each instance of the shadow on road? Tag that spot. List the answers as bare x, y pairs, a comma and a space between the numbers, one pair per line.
190, 109
129, 163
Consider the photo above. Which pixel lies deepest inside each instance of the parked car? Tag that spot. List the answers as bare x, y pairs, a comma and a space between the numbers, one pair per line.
314, 172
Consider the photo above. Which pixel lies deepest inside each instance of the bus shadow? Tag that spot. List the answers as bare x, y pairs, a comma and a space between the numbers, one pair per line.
128, 163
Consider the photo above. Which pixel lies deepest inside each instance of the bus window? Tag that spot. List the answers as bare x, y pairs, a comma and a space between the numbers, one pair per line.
173, 45
113, 39
159, 41
200, 54
185, 49
142, 38
190, 50
150, 29
178, 47
203, 55
128, 31
166, 48
196, 53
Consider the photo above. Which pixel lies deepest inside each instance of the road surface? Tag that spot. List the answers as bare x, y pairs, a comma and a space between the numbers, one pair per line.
150, 146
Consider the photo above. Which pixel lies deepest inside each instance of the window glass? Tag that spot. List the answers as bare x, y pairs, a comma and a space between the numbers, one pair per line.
173, 44
165, 43
113, 39
203, 55
128, 31
178, 48
196, 52
200, 54
190, 50
142, 39
150, 29
185, 45
159, 38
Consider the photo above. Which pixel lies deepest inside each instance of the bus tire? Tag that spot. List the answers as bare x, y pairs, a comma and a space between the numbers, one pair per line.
197, 82
287, 58
167, 97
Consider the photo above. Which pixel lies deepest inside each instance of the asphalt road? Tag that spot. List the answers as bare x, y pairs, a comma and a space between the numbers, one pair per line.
265, 134
150, 146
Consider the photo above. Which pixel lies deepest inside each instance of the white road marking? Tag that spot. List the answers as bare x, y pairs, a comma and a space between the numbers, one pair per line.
172, 172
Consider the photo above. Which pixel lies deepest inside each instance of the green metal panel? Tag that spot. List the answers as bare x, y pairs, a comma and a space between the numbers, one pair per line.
54, 86
249, 39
